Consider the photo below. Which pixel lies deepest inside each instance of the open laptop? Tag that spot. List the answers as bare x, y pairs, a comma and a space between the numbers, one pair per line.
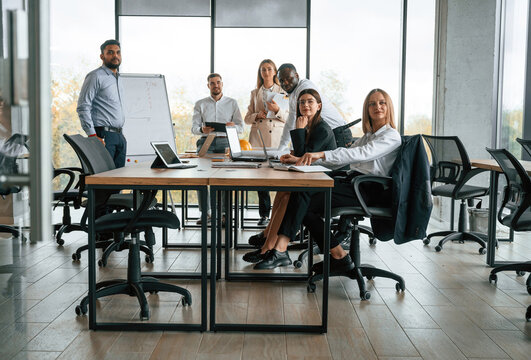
168, 156
235, 149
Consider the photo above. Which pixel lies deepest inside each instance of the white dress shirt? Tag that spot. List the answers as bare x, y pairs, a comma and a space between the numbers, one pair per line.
222, 111
329, 112
371, 154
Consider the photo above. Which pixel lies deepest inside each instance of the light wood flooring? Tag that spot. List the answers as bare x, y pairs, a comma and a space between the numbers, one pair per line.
449, 310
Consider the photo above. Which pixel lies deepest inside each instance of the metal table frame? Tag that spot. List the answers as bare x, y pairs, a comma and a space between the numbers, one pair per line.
216, 239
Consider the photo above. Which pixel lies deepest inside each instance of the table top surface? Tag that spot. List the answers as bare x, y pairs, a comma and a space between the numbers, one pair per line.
266, 176
204, 174
491, 164
143, 174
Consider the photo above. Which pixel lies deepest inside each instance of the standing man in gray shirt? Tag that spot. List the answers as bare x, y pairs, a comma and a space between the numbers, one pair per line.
100, 106
293, 85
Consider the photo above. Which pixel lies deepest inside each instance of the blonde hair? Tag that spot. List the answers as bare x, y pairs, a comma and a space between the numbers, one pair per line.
390, 116
260, 80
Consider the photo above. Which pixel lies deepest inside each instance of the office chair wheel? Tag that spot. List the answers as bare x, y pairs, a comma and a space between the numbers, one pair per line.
102, 263
80, 311
438, 248
60, 241
76, 256
493, 278
372, 241
482, 251
311, 288
185, 301
297, 264
399, 287
144, 314
150, 259
365, 295
426, 241
520, 273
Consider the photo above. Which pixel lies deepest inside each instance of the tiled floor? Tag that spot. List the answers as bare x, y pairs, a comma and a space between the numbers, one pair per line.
449, 310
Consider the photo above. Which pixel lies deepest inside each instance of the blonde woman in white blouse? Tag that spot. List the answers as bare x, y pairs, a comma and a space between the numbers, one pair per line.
270, 126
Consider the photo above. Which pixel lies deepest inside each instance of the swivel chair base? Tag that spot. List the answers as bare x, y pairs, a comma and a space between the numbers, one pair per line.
520, 268
345, 244
11, 230
68, 228
134, 285
460, 235
360, 270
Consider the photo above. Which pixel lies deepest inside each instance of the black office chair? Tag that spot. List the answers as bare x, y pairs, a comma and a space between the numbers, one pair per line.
94, 159
515, 210
450, 165
9, 152
404, 217
140, 220
65, 198
526, 144
4, 191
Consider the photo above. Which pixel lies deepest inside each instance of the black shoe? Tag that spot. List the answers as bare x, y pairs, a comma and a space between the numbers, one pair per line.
254, 256
273, 259
264, 220
257, 240
336, 265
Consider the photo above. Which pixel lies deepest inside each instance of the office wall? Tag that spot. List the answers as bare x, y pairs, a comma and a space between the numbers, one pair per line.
467, 81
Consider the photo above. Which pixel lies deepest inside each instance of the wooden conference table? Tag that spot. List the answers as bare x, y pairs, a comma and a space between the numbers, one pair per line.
495, 171
141, 177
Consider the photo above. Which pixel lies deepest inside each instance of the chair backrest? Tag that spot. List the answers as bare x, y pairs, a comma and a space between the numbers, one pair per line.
517, 193
526, 144
449, 160
92, 154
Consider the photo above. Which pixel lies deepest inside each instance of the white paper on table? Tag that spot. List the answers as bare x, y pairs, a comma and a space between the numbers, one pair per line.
281, 100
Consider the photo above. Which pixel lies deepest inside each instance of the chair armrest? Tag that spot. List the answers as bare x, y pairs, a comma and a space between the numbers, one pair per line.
71, 177
358, 180
469, 175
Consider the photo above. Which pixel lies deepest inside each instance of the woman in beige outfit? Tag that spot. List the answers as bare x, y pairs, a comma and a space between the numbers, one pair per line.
271, 127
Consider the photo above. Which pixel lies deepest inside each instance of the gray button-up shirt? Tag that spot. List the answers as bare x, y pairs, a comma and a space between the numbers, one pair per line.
100, 101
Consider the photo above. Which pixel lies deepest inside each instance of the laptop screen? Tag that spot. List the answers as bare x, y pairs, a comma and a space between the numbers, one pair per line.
166, 152
234, 141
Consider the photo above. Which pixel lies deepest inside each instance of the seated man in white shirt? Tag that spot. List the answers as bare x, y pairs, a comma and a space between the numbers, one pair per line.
215, 108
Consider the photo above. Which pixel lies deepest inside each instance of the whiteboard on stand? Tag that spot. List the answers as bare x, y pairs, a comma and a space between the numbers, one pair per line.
147, 115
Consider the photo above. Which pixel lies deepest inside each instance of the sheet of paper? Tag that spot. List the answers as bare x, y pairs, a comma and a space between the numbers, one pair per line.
281, 100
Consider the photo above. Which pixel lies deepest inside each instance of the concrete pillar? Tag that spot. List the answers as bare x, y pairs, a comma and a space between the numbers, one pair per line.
466, 87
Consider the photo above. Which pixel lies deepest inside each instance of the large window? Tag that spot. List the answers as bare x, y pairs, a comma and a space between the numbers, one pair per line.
179, 49
513, 57
419, 67
77, 29
355, 47
240, 51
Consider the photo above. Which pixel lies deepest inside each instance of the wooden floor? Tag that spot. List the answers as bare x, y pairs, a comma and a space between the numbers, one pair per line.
449, 310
